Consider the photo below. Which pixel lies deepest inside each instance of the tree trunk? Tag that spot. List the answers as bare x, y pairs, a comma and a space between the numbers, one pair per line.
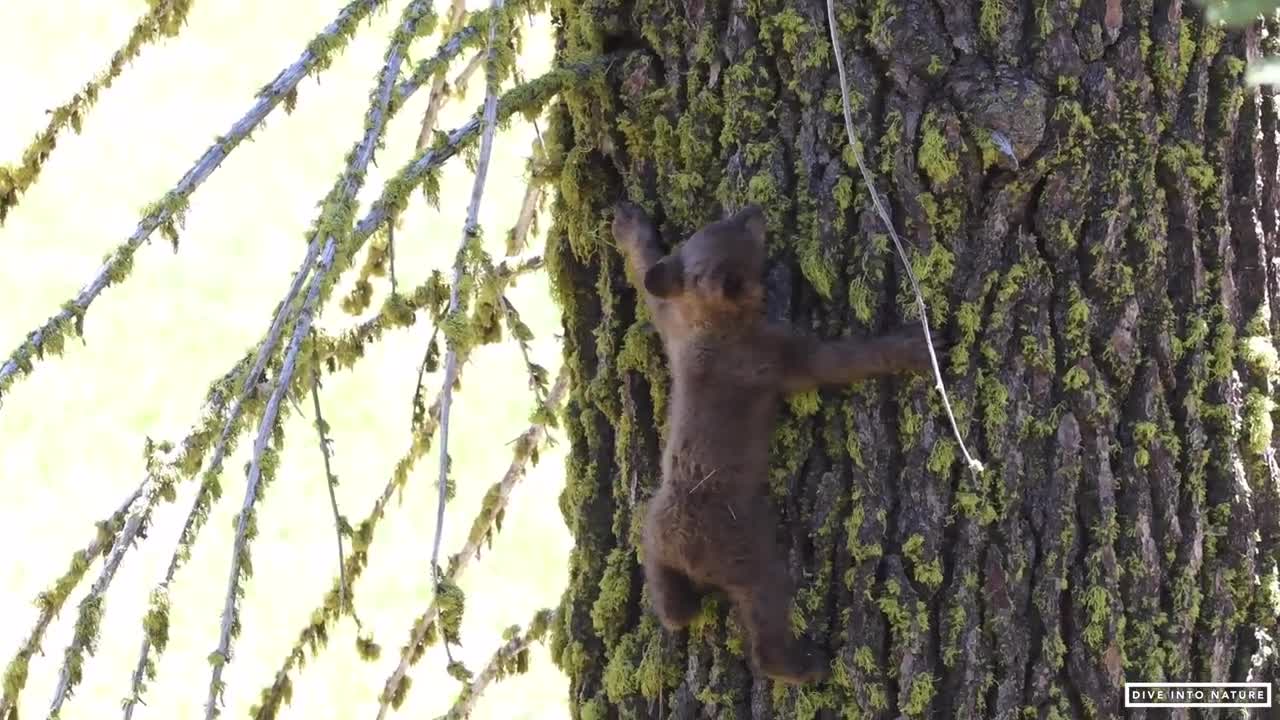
1089, 195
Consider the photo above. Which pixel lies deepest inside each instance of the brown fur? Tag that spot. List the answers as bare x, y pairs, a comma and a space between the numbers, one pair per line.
711, 525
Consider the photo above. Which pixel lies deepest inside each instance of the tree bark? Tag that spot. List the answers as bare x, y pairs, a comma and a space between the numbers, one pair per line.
1089, 194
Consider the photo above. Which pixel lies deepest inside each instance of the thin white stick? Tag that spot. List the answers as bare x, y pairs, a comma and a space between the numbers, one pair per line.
469, 232
973, 463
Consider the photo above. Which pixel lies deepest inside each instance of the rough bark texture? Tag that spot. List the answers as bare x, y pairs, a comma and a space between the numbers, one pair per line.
1090, 196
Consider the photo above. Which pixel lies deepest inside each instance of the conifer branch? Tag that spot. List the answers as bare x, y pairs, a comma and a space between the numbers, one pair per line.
165, 19
487, 522
167, 214
316, 634
261, 469
397, 311
470, 239
510, 659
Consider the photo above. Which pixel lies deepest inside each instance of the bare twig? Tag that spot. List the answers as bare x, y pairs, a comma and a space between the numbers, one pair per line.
322, 428
470, 235
164, 19
508, 659
867, 178
170, 209
222, 655
439, 92
529, 206
482, 528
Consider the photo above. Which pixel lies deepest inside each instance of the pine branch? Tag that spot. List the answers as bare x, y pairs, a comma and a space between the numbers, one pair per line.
331, 610
167, 214
361, 293
383, 253
487, 522
165, 19
325, 617
261, 465
470, 239
510, 659
161, 476
518, 237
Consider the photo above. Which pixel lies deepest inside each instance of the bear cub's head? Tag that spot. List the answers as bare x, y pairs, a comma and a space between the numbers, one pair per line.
717, 271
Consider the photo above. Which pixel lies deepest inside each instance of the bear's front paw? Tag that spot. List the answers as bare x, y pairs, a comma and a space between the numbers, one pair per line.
918, 348
630, 223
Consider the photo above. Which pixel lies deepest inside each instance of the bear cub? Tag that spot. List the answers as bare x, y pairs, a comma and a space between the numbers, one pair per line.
711, 525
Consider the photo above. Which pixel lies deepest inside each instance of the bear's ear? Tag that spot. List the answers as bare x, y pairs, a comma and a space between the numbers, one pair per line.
666, 277
752, 220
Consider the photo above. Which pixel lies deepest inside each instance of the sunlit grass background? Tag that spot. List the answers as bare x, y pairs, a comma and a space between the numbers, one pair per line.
71, 435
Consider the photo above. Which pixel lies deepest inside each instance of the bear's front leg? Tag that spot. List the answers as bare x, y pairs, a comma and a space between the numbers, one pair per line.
637, 240
808, 362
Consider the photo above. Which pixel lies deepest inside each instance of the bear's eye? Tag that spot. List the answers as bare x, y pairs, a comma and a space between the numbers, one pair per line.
732, 286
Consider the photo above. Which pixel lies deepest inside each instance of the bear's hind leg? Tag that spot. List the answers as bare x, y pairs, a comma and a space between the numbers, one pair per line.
675, 597
765, 609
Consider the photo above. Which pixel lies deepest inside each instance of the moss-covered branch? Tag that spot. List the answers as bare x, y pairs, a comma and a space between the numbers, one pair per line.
261, 472
167, 213
163, 20
156, 622
528, 98
315, 635
510, 659
161, 476
487, 522
106, 536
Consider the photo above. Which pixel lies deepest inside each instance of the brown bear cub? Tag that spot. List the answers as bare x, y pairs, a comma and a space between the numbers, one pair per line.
711, 525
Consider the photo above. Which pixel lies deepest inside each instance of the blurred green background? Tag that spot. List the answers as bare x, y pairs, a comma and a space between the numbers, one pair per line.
71, 435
